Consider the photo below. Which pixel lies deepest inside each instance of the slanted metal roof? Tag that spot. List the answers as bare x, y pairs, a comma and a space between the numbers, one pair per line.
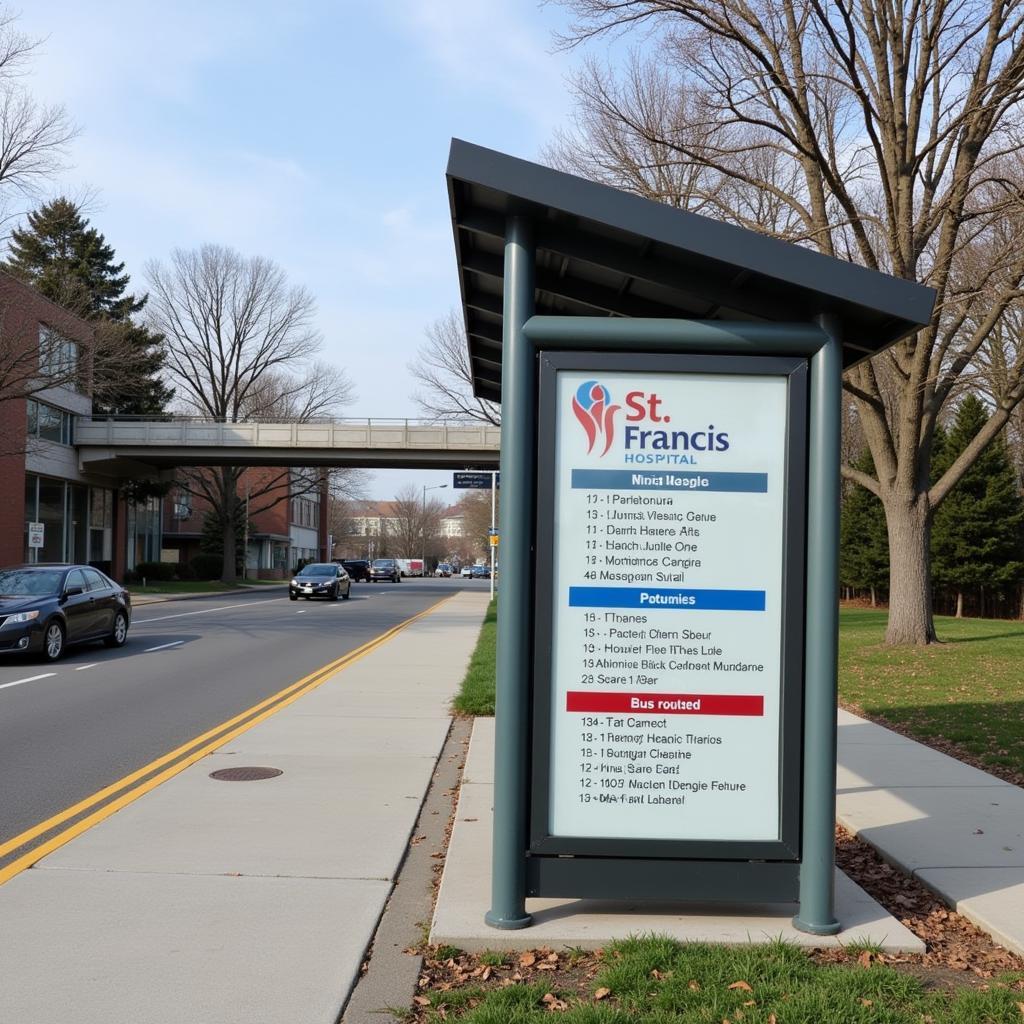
603, 251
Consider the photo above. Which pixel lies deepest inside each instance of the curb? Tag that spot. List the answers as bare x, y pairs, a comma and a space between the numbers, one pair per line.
141, 600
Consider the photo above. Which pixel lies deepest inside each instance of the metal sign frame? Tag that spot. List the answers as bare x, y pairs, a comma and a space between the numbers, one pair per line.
523, 334
618, 852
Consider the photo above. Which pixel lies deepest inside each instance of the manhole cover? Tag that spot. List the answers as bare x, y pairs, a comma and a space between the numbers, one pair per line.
245, 774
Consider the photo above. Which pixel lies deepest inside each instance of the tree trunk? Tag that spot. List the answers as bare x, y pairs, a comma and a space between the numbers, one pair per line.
959, 604
228, 493
910, 589
874, 599
228, 566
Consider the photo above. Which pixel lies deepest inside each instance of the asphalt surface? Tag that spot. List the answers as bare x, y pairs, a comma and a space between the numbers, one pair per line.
187, 667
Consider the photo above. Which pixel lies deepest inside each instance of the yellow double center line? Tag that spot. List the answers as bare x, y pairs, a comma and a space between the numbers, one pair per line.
143, 780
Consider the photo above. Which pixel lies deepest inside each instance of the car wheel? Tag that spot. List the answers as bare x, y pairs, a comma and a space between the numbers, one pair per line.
347, 594
53, 641
334, 594
293, 597
119, 634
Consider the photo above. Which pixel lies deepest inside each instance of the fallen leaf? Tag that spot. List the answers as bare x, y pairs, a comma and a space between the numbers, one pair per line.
553, 957
867, 1002
693, 986
865, 958
772, 1019
750, 1002
741, 985
421, 1000
1020, 1006
553, 1002
486, 974
602, 993
527, 960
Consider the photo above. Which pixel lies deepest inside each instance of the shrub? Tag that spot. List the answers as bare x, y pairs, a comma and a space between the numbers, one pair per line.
184, 571
207, 567
156, 571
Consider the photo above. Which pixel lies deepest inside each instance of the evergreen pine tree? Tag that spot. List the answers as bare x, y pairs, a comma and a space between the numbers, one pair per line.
863, 539
978, 532
60, 255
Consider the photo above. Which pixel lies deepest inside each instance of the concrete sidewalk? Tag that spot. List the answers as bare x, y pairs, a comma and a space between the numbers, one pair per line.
959, 830
208, 902
465, 896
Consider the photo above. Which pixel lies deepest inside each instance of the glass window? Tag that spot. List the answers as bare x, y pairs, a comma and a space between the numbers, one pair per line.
93, 580
77, 529
31, 511
48, 423
58, 356
75, 579
101, 522
51, 515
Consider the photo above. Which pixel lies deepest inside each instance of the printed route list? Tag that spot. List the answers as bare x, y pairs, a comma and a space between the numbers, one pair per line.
668, 581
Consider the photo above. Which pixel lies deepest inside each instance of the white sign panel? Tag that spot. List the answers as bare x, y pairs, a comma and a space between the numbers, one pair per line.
668, 561
36, 532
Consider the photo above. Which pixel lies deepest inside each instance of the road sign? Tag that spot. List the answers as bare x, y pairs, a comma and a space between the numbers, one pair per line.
475, 480
36, 532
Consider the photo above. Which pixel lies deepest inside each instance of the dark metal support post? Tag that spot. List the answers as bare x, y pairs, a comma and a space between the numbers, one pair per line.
817, 871
511, 748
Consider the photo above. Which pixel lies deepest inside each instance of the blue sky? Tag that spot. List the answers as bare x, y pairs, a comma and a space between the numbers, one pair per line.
312, 132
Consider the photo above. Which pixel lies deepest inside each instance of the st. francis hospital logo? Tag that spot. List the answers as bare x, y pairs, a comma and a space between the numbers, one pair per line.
592, 407
647, 437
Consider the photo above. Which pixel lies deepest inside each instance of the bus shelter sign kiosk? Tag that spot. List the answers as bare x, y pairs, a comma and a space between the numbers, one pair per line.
667, 629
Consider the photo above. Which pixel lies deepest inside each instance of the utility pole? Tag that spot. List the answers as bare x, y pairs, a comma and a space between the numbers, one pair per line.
423, 523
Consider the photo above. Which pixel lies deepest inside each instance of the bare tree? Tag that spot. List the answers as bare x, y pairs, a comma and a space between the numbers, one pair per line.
442, 367
876, 132
34, 137
241, 344
417, 523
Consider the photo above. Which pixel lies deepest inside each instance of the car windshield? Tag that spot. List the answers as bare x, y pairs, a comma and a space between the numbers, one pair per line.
30, 582
319, 570
383, 563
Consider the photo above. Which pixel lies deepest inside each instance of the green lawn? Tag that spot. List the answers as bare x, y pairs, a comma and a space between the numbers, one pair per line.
476, 697
661, 981
968, 690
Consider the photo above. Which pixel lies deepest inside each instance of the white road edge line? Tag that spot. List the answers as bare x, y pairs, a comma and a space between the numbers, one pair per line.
82, 668
163, 647
203, 611
30, 679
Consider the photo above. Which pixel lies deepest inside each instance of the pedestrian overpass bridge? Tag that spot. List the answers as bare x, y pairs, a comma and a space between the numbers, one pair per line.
126, 447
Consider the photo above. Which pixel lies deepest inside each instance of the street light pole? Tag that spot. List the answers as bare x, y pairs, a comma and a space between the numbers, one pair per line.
423, 524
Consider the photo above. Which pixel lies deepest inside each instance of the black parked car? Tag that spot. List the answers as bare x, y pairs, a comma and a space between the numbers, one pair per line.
358, 569
385, 569
44, 608
321, 579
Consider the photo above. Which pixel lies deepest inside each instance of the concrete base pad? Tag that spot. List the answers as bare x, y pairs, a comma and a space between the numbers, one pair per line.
465, 896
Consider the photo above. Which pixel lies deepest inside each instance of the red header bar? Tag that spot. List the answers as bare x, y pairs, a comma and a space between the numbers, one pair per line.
735, 705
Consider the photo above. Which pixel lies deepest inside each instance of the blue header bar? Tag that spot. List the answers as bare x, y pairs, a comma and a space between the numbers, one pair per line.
668, 480
664, 599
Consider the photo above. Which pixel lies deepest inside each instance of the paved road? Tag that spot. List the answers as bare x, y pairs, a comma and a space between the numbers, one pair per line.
188, 666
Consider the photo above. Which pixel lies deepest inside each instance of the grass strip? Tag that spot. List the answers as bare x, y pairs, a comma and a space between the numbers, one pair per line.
966, 691
476, 695
661, 981
964, 695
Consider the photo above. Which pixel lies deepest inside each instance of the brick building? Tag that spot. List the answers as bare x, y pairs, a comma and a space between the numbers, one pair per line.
40, 479
286, 522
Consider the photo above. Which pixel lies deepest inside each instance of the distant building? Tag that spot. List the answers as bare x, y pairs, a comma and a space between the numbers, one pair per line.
292, 530
453, 523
